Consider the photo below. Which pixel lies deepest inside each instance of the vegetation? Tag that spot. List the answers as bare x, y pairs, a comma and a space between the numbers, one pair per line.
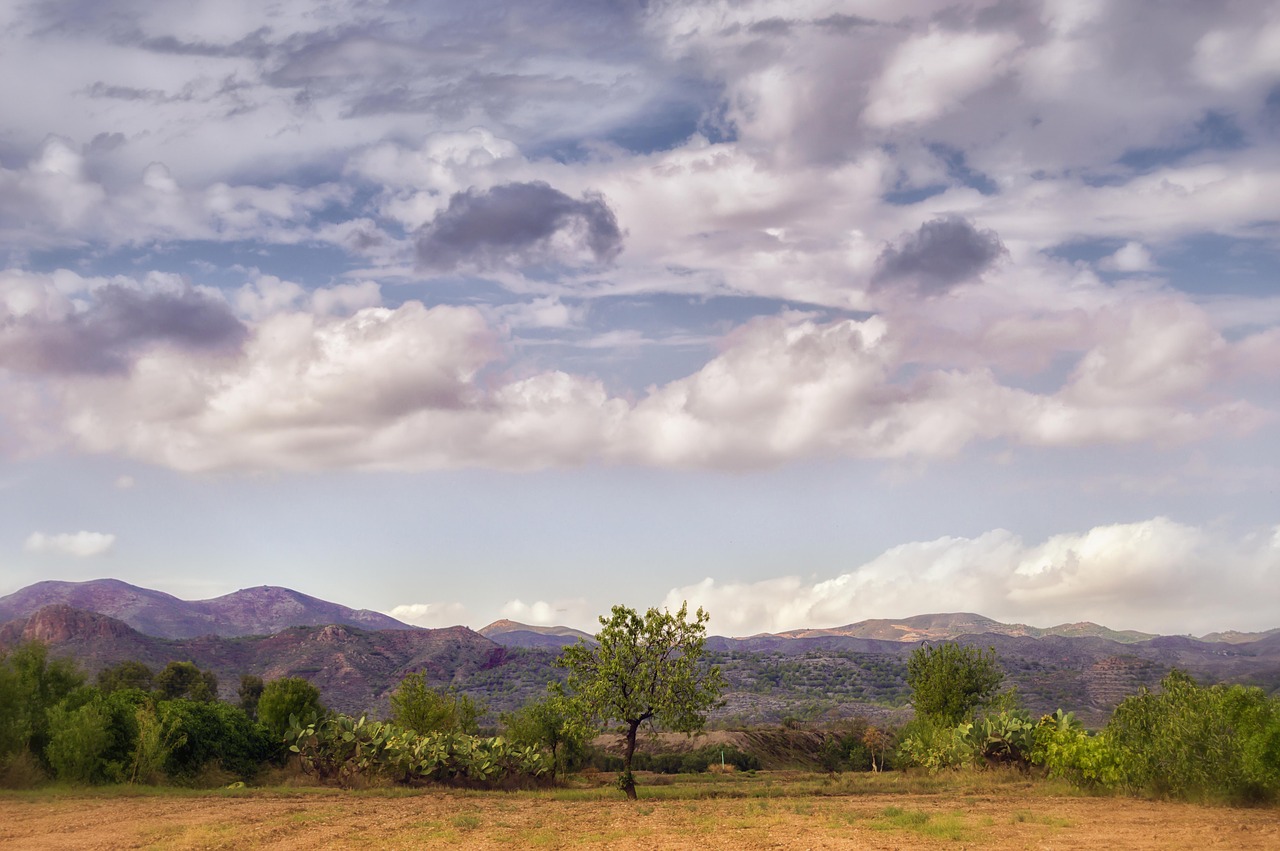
950, 681
284, 699
552, 724
644, 669
420, 708
1180, 740
348, 750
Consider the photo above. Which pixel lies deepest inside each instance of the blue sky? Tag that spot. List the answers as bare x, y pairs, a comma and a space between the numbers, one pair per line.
802, 312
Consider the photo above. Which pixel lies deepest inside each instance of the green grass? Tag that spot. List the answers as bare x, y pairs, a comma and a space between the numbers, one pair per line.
936, 826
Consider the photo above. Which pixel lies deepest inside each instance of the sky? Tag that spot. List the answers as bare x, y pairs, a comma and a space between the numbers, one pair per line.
803, 312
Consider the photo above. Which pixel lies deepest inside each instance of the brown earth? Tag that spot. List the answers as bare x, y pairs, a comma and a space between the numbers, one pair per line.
450, 818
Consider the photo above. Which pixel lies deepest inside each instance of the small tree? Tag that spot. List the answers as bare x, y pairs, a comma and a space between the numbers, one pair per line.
418, 707
645, 669
949, 681
127, 674
552, 723
285, 697
185, 680
250, 693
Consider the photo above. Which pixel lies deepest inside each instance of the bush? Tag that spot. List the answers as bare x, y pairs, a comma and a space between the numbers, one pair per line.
205, 733
418, 707
285, 698
1193, 742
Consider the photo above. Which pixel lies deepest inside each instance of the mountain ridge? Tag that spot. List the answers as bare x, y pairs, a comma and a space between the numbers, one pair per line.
259, 610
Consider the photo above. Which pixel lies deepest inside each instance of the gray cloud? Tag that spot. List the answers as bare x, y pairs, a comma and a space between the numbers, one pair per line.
942, 253
105, 338
514, 223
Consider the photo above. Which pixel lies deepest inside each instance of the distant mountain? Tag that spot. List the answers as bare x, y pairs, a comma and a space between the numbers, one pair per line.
945, 627
1231, 636
251, 611
355, 669
769, 677
512, 634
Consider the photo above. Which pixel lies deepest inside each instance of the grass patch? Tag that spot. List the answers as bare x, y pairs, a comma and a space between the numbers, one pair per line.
935, 826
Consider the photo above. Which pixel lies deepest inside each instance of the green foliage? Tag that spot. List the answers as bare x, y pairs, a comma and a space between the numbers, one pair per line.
1004, 738
344, 749
1068, 751
155, 740
185, 680
645, 669
422, 709
250, 692
126, 675
30, 685
286, 698
203, 734
553, 724
1191, 742
950, 681
78, 740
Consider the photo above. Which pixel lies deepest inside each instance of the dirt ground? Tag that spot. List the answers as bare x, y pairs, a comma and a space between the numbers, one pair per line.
449, 819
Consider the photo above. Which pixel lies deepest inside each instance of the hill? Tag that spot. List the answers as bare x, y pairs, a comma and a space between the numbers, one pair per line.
947, 626
250, 611
513, 634
354, 668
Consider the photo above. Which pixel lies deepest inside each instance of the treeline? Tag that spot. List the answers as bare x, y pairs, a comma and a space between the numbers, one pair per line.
135, 725
1183, 740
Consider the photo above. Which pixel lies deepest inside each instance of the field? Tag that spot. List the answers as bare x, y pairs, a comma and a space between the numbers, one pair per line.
767, 810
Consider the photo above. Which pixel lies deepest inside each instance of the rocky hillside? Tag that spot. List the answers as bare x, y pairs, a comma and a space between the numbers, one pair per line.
513, 634
251, 611
354, 668
947, 626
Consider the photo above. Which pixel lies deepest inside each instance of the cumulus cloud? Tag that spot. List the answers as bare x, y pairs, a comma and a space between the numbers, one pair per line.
117, 324
943, 252
413, 387
543, 613
430, 615
519, 224
78, 544
1156, 575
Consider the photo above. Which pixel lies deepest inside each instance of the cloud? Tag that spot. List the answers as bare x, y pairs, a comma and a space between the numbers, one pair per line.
79, 544
933, 73
115, 327
430, 615
1155, 575
1130, 257
519, 224
543, 613
413, 387
943, 252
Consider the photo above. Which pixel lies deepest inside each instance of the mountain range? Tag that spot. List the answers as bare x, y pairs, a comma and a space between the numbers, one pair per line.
249, 611
358, 657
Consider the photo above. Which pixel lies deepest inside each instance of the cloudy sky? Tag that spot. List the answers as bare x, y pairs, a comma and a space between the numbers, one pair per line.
805, 312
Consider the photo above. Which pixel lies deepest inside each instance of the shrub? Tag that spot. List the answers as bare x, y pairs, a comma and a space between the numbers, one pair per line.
204, 733
285, 698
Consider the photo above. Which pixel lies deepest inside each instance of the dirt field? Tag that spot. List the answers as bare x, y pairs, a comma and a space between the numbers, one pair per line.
788, 816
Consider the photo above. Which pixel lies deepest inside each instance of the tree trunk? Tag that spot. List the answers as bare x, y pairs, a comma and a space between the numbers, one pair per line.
628, 781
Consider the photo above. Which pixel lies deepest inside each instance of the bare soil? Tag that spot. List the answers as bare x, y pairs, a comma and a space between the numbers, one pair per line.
1004, 819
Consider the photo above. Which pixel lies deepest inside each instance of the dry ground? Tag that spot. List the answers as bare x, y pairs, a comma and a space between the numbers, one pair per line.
761, 812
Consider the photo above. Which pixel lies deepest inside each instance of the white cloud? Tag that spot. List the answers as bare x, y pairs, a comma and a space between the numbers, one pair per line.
1154, 575
424, 388
430, 615
78, 544
933, 73
543, 613
1130, 257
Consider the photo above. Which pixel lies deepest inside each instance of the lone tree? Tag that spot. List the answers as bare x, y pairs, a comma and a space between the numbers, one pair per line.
645, 669
949, 681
